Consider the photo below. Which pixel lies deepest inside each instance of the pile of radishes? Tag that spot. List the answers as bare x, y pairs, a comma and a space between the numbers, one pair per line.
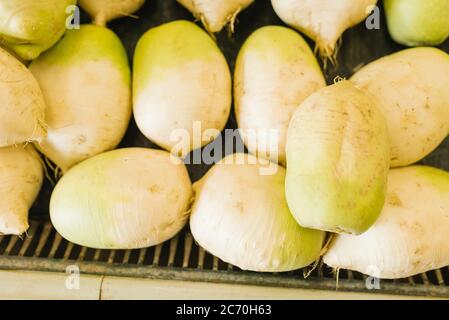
345, 152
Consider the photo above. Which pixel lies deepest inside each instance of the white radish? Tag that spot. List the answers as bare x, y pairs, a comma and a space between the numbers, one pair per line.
338, 157
241, 216
215, 15
324, 21
86, 82
411, 235
30, 27
182, 87
412, 87
103, 11
21, 176
275, 72
122, 199
22, 106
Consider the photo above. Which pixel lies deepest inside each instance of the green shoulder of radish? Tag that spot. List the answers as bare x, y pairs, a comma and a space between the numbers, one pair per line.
410, 236
275, 71
103, 11
324, 21
418, 22
22, 106
182, 87
21, 176
30, 27
86, 82
215, 15
122, 199
412, 87
241, 216
338, 157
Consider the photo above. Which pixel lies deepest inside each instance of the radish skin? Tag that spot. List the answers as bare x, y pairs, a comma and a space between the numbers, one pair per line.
22, 109
412, 87
103, 11
324, 21
21, 176
30, 27
410, 236
215, 15
417, 22
275, 72
242, 217
122, 199
83, 125
338, 157
181, 79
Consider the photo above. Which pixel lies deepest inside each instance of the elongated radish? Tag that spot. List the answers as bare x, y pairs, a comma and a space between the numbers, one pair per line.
242, 217
122, 199
275, 72
410, 236
417, 22
30, 27
216, 14
324, 21
86, 83
412, 87
338, 157
22, 106
21, 177
103, 11
181, 82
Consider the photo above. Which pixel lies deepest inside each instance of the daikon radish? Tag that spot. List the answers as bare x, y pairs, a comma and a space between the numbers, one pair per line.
411, 235
242, 217
275, 72
22, 105
21, 176
338, 157
122, 199
86, 82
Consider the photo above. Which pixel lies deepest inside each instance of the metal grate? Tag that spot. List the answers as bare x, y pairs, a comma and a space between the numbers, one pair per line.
181, 259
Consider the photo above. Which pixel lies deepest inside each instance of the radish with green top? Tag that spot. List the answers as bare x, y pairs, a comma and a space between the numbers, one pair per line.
412, 87
215, 15
21, 176
410, 236
275, 72
29, 27
324, 21
338, 157
86, 82
22, 106
122, 199
103, 11
182, 87
242, 217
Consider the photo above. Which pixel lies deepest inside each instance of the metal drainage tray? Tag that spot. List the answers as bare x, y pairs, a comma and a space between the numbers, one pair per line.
180, 258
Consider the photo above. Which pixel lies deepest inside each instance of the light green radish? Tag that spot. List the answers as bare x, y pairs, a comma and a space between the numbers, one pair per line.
30, 27
418, 22
122, 199
182, 86
215, 15
275, 72
410, 236
86, 83
103, 11
21, 176
22, 105
241, 216
324, 21
338, 157
412, 87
